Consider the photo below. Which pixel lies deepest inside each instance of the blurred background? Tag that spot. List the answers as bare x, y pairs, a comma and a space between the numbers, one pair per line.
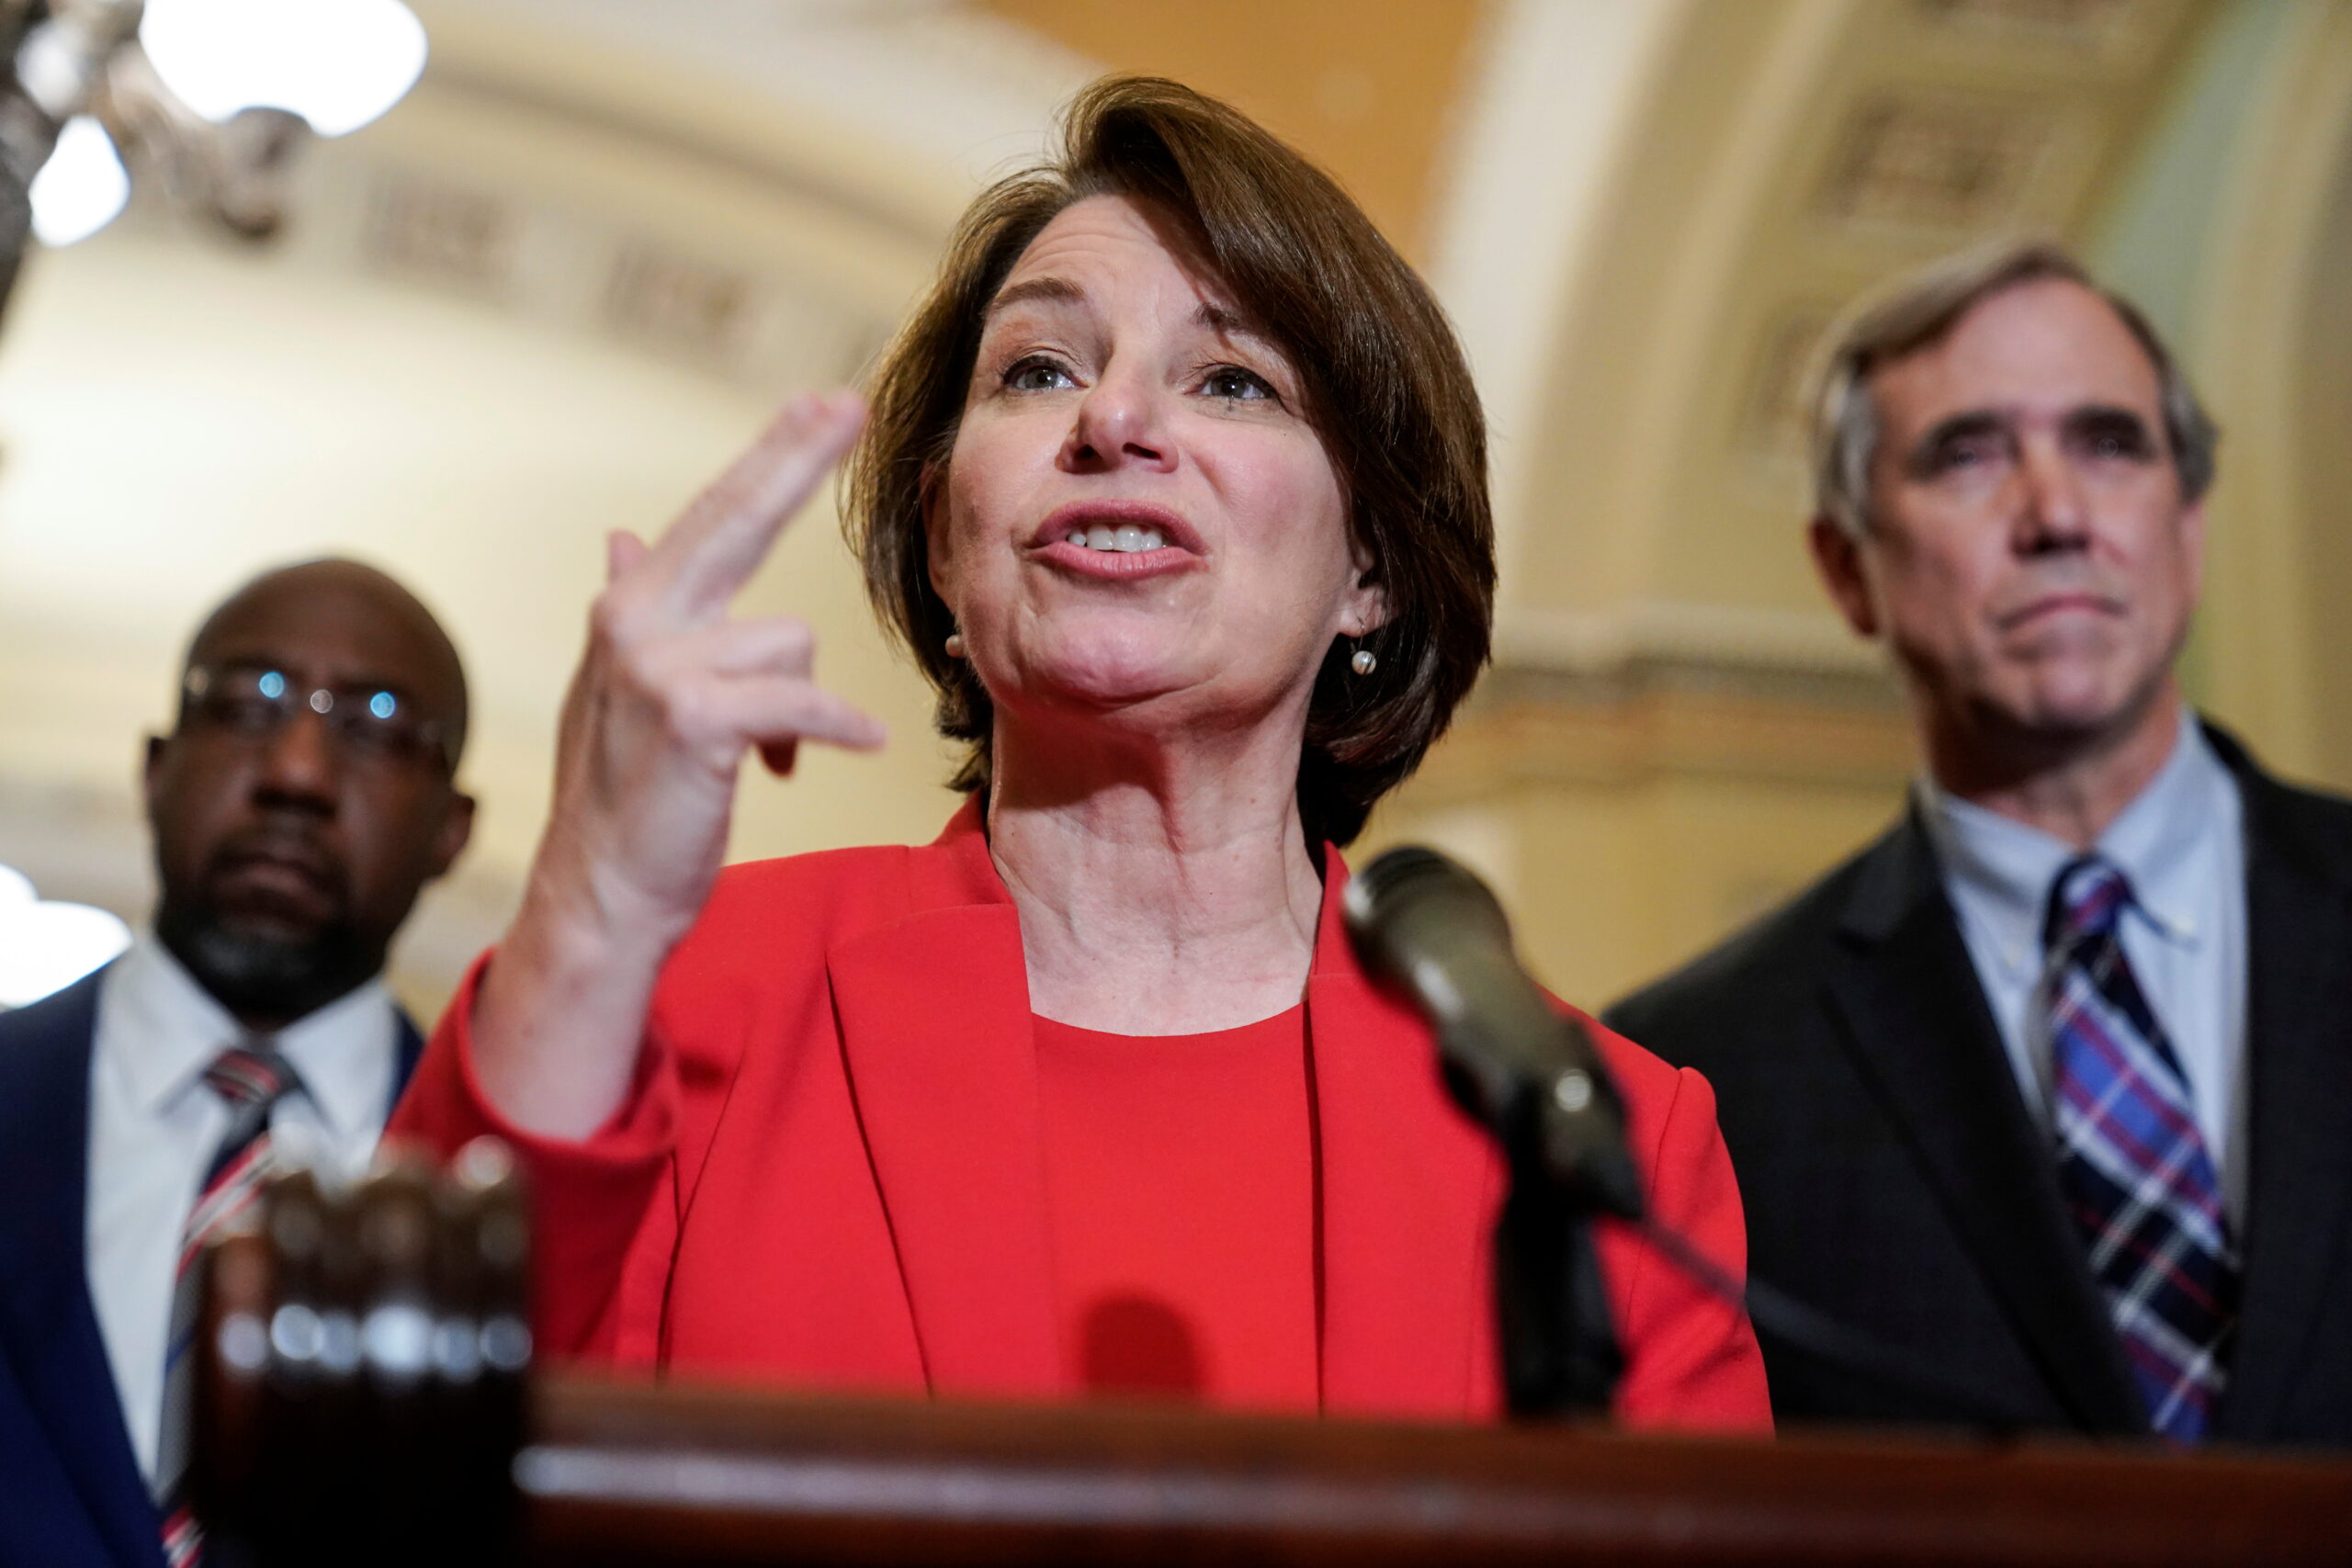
565, 277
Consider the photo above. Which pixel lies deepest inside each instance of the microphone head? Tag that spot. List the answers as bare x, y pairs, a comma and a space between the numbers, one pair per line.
1408, 893
1427, 925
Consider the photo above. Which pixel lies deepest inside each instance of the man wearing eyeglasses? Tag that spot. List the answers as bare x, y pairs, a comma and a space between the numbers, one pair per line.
305, 795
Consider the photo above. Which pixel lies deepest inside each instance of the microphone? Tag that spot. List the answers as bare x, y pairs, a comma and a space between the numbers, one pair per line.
1430, 928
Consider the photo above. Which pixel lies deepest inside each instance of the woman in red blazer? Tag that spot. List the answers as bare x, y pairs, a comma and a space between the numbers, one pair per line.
1175, 490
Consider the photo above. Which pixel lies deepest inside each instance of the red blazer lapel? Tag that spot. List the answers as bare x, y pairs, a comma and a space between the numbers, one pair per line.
935, 1037
1409, 1192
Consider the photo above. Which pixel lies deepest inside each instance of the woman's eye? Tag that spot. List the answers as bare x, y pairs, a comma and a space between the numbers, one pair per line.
1233, 382
1035, 374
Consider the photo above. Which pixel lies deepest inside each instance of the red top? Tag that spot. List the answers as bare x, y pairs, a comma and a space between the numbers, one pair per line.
830, 1172
1180, 1193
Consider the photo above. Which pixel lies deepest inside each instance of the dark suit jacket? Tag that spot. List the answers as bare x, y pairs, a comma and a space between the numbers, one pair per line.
1894, 1179
70, 1494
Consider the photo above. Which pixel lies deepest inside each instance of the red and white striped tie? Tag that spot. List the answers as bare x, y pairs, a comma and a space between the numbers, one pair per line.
250, 1078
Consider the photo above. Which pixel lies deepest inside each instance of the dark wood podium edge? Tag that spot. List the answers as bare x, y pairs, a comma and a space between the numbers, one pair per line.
621, 1472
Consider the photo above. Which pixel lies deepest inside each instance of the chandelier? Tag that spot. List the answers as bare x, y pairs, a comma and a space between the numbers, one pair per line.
208, 98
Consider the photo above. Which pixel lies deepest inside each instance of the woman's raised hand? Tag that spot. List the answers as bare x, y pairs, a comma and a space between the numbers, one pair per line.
672, 691
670, 695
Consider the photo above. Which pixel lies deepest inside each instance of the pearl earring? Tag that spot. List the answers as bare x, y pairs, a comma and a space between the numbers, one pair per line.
954, 645
1364, 662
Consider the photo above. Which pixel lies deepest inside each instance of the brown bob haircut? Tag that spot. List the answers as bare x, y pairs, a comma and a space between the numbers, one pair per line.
1389, 394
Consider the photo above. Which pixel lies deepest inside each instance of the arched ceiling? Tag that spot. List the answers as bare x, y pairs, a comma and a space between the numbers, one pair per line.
1367, 88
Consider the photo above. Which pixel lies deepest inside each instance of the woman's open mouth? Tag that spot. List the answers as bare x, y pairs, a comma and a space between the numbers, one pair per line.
1117, 541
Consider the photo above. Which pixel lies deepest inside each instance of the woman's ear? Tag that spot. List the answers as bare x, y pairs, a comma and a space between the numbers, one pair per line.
938, 541
1366, 609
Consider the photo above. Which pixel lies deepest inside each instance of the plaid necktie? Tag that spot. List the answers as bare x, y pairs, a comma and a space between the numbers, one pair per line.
2134, 1167
251, 1080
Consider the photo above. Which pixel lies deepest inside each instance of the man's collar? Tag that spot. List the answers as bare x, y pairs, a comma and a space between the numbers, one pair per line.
163, 1027
166, 1029
2155, 841
2159, 840
2008, 866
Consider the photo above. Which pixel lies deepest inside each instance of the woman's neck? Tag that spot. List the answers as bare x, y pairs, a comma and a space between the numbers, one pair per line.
1163, 890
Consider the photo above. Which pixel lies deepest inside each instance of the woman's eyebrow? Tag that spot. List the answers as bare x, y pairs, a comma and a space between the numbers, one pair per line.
1218, 318
1057, 290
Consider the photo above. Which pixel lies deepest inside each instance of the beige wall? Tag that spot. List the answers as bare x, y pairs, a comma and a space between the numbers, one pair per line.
1628, 830
2326, 443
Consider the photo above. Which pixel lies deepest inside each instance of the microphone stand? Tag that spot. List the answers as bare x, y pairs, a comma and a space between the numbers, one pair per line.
1528, 1073
1560, 1354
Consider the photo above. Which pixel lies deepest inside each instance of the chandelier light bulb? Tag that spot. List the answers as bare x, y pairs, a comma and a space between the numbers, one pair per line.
338, 63
81, 187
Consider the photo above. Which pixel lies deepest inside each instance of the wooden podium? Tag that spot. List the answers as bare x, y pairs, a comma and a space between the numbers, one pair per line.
650, 1474
365, 1396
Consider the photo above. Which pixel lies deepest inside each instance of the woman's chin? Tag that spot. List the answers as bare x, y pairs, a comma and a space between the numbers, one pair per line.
1126, 679
1098, 689
1113, 668
1114, 687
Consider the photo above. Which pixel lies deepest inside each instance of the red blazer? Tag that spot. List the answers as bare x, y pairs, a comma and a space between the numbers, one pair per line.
829, 1174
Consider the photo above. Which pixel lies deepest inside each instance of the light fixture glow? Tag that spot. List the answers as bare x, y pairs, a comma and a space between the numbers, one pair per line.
46, 947
83, 185
338, 63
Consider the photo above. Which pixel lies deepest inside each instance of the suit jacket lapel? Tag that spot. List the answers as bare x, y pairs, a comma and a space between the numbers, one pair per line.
1408, 1192
936, 1039
1917, 1027
2300, 1079
48, 1325
407, 1048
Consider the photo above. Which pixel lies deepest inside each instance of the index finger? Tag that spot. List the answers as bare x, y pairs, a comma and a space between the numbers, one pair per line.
721, 537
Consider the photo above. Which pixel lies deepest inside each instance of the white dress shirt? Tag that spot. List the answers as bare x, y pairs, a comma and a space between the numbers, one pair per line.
155, 1127
2181, 843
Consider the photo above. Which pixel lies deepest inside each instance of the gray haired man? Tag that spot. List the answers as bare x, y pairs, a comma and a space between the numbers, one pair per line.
2046, 1086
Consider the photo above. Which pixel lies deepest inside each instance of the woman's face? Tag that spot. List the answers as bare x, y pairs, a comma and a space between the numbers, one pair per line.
1138, 520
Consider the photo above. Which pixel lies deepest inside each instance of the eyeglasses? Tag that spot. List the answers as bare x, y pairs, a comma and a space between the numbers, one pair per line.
253, 702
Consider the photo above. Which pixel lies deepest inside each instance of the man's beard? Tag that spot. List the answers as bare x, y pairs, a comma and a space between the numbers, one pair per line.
259, 975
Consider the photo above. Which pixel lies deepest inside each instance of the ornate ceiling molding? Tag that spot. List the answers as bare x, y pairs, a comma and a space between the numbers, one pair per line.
1604, 657
1519, 733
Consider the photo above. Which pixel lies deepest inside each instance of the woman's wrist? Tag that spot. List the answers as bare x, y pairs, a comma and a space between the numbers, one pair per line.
589, 928
561, 1016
